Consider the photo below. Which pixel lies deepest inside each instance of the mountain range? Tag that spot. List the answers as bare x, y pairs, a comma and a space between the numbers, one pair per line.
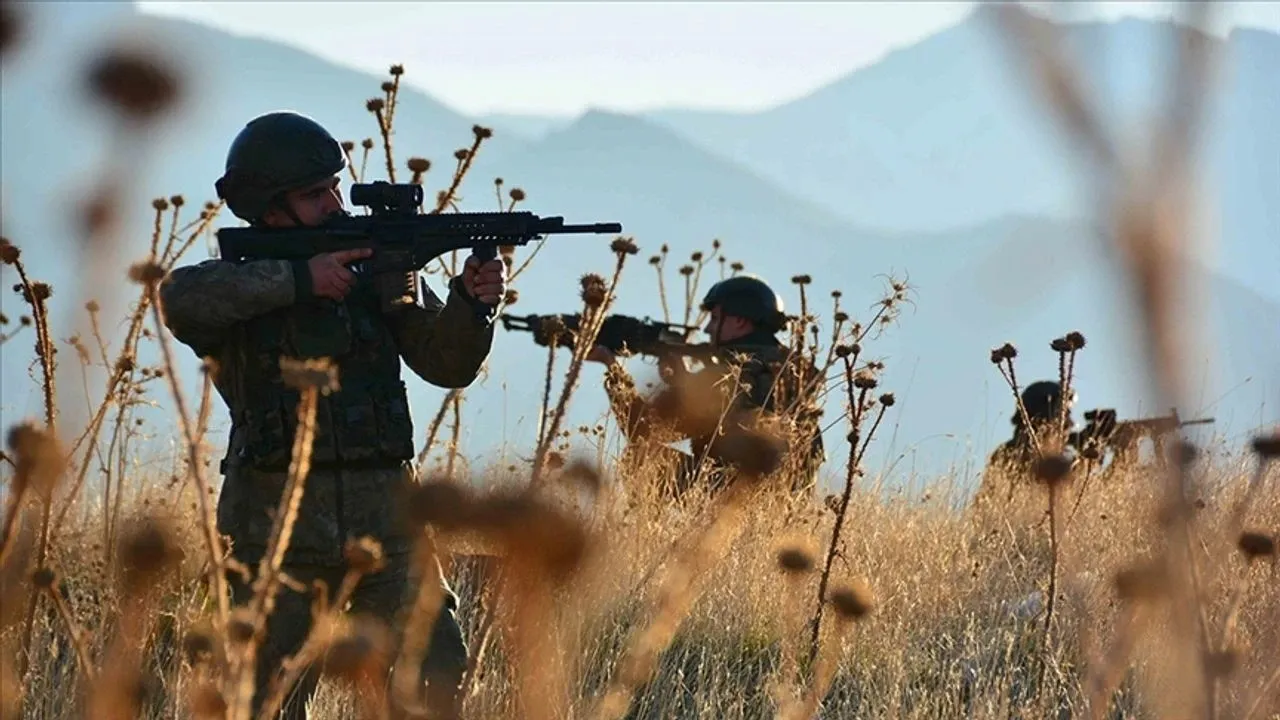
934, 164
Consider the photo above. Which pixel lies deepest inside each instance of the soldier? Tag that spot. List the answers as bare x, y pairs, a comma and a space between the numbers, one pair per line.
744, 317
283, 170
1011, 463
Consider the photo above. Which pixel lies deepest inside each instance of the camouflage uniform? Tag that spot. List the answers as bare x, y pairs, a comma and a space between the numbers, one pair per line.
767, 386
245, 317
1011, 464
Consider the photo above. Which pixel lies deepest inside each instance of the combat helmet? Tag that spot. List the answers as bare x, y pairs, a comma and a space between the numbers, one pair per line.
1043, 400
750, 297
274, 153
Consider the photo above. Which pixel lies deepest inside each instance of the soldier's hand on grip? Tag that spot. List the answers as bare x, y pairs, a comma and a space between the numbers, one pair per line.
329, 279
485, 281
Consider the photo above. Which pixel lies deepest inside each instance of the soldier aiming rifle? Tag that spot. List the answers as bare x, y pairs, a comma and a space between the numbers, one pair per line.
1103, 432
744, 317
618, 334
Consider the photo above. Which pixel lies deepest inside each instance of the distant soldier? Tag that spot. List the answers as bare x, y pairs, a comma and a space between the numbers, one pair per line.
758, 377
282, 170
1012, 463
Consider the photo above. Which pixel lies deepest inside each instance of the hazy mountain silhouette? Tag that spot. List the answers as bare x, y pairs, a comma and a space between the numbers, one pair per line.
1017, 277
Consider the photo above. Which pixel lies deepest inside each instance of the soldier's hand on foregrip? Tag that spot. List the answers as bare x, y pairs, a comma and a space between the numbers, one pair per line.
485, 281
329, 278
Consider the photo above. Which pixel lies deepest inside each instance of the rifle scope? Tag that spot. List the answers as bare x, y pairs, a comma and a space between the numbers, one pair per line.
382, 196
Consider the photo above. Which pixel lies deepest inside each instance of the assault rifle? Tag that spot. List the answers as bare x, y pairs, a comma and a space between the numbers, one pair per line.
402, 238
617, 333
1103, 430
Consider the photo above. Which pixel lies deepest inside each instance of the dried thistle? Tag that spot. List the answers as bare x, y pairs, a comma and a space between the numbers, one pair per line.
1060, 345
795, 559
146, 273
887, 400
517, 194
624, 246
396, 70
44, 578
367, 143
1053, 469
594, 290
1256, 545
147, 551
160, 204
37, 457
852, 601
419, 165
865, 380
92, 306
686, 270
10, 26
481, 132
736, 266
375, 105
1267, 447
1075, 340
461, 154
9, 253
801, 279
511, 297
135, 82
348, 146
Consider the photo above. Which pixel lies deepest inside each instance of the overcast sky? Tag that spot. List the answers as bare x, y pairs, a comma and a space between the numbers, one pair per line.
560, 58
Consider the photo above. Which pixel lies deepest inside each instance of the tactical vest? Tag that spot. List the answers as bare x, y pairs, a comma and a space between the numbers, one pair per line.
364, 423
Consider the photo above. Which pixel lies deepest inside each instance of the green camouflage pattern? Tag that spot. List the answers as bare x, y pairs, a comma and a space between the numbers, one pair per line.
244, 317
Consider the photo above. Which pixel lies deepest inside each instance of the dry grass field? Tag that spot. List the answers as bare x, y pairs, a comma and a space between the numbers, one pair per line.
1144, 591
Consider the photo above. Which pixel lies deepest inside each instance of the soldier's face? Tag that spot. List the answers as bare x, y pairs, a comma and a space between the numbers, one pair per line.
312, 204
726, 328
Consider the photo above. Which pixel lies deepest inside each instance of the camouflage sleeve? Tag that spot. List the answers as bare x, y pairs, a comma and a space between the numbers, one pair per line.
444, 343
201, 302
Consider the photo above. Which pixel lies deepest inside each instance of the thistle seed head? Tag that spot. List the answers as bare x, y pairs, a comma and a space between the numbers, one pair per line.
348, 146
160, 204
1267, 447
864, 380
44, 578
887, 400
9, 253
374, 105
851, 601
367, 143
419, 165
134, 82
1060, 345
1256, 545
1053, 469
146, 552
387, 86
396, 70
517, 194
481, 132
1075, 340
146, 273
795, 560
624, 246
